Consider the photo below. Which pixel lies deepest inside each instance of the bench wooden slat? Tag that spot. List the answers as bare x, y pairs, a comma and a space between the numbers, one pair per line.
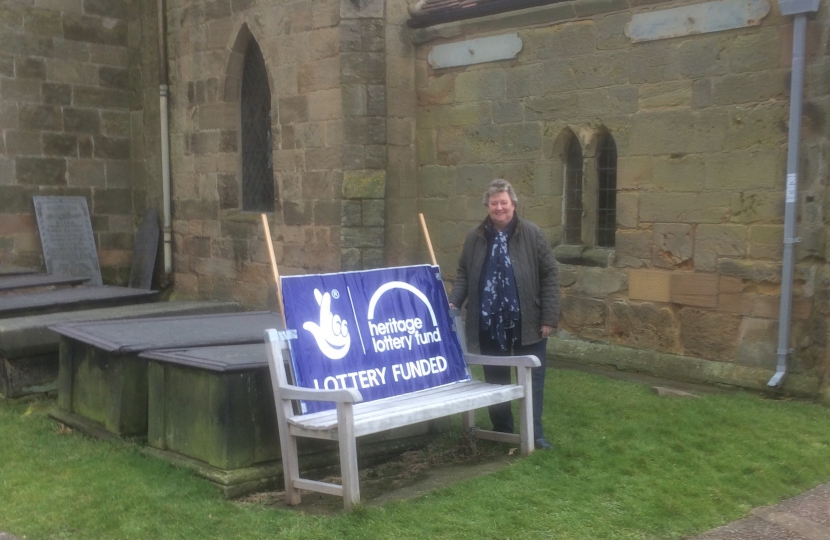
430, 404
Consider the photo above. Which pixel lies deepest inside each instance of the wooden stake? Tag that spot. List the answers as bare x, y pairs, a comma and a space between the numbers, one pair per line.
274, 265
429, 242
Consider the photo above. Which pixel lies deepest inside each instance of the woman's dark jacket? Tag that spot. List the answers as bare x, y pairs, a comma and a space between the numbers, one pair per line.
537, 280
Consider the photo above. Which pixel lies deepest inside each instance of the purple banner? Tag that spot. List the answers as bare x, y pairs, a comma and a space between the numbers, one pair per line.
385, 332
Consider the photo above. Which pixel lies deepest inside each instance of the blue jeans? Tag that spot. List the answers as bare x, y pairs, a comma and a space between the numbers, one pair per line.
501, 415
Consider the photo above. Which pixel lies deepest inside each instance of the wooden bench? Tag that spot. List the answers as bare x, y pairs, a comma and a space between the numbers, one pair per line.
354, 418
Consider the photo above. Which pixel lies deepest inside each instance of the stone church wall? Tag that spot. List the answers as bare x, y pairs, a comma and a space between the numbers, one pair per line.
700, 125
72, 120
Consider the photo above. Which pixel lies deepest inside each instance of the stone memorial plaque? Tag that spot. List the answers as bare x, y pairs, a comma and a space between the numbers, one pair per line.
145, 248
67, 239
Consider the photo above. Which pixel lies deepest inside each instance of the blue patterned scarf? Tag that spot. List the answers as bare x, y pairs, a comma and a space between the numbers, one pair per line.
499, 298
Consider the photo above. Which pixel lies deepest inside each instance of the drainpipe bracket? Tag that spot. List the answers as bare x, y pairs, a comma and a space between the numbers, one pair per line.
795, 240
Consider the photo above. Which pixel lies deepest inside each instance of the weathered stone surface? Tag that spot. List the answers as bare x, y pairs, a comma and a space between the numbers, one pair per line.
757, 342
601, 281
707, 207
41, 171
643, 325
634, 243
562, 40
666, 94
364, 185
673, 245
579, 311
677, 132
708, 334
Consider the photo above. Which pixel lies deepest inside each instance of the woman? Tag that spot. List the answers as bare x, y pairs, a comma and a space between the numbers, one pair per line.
507, 273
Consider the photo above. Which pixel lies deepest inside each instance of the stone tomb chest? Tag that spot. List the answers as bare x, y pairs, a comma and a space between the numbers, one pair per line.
212, 410
103, 386
29, 349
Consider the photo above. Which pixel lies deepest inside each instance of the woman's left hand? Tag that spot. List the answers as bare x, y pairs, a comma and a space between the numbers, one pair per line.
547, 330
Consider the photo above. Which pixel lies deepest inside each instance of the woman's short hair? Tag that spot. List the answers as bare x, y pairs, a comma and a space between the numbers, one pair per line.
497, 186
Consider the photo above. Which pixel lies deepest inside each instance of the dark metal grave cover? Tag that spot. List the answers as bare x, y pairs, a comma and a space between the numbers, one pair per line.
66, 235
136, 335
223, 358
145, 248
68, 299
12, 270
27, 281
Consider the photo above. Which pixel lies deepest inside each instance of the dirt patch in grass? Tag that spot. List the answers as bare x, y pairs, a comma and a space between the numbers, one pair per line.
412, 474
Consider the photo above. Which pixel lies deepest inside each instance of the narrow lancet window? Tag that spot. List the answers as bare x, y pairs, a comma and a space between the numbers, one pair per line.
257, 164
607, 192
573, 192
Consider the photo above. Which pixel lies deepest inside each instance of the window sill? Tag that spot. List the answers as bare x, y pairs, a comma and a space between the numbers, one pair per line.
584, 255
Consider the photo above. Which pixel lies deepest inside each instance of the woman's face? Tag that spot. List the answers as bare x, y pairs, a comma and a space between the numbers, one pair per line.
501, 209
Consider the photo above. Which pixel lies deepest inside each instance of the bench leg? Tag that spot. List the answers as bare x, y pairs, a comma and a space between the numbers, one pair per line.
468, 421
348, 455
526, 411
290, 461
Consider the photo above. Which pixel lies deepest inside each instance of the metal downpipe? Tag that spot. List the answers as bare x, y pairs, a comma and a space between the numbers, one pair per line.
167, 229
790, 210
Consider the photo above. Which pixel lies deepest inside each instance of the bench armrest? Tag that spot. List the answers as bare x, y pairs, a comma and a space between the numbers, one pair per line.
344, 395
511, 361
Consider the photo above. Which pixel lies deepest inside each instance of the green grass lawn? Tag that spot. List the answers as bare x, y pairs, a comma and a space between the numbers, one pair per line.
627, 464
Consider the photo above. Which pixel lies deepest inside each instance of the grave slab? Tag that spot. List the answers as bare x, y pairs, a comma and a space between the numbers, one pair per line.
102, 382
66, 236
212, 410
31, 281
76, 298
12, 270
29, 350
145, 248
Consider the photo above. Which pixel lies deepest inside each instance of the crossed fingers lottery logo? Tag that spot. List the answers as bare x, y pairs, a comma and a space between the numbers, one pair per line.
332, 332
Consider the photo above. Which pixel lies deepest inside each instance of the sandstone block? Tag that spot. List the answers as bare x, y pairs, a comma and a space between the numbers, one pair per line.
521, 140
673, 245
363, 68
23, 143
745, 170
470, 114
598, 70
112, 201
580, 311
562, 40
35, 171
750, 270
364, 185
318, 75
325, 13
643, 325
40, 117
757, 343
738, 303
294, 109
362, 237
322, 105
611, 31
706, 207
708, 334
437, 90
507, 112
60, 144
681, 173
759, 125
766, 241
693, 289
111, 147
753, 206
677, 132
551, 108
481, 84
633, 243
666, 94
750, 87
531, 80
366, 9
729, 240
651, 285
95, 30
627, 209
618, 99
634, 172
701, 93
601, 281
